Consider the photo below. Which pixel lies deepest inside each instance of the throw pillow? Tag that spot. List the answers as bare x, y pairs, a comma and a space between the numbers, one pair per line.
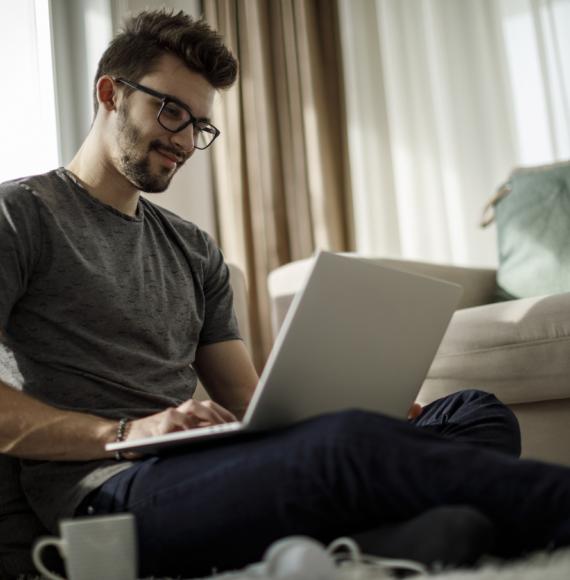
532, 212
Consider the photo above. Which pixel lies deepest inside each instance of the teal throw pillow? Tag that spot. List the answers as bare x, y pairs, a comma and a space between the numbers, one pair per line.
532, 213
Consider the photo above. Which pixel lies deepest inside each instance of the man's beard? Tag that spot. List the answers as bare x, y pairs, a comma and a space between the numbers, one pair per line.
135, 165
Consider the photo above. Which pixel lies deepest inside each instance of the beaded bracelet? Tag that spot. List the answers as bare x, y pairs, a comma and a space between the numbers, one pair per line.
121, 435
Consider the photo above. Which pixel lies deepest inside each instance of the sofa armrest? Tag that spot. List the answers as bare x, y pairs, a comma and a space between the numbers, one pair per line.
239, 288
478, 283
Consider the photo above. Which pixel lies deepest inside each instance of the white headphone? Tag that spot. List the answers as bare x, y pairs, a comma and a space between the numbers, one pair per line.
302, 558
299, 558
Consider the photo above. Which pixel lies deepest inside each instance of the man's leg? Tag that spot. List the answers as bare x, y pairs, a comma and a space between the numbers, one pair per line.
451, 535
473, 417
222, 504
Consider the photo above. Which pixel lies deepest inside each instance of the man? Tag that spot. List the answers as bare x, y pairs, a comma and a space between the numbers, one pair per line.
113, 306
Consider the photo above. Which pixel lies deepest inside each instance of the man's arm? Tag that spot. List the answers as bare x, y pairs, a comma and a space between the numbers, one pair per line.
30, 429
227, 373
33, 430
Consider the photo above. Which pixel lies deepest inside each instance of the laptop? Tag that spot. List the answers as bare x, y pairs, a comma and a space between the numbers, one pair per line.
358, 335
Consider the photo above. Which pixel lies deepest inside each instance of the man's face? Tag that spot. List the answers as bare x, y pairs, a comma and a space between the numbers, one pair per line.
145, 153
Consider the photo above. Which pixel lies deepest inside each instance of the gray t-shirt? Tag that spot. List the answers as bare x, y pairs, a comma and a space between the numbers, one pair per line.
103, 313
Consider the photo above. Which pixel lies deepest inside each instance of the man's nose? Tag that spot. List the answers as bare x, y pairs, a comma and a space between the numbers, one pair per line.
184, 139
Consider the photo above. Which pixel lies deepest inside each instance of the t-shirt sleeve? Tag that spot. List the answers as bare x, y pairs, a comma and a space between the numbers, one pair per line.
220, 321
20, 245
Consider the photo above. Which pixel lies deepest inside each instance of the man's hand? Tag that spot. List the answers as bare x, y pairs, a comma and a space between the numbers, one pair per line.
189, 415
415, 411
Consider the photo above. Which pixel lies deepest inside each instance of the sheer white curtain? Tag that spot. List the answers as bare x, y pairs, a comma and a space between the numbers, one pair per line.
27, 99
444, 98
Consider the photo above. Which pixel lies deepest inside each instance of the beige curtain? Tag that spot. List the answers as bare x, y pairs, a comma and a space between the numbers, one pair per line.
280, 167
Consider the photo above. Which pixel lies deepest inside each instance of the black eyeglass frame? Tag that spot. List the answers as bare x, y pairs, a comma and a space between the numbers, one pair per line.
165, 99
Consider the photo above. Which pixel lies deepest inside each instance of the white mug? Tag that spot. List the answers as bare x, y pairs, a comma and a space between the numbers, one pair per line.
93, 548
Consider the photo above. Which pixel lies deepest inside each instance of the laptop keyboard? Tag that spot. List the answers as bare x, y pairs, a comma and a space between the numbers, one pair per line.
222, 427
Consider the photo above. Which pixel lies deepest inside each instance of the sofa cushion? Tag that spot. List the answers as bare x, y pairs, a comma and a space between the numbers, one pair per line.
283, 282
518, 350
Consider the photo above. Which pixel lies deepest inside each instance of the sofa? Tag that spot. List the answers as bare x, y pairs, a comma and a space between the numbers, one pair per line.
519, 350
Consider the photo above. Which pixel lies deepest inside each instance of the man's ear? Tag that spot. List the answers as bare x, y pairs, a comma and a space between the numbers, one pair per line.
107, 93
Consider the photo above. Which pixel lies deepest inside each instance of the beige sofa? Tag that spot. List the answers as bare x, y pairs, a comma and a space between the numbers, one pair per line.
518, 350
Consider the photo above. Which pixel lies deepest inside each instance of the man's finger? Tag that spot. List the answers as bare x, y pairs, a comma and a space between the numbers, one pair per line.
228, 416
415, 411
174, 420
200, 411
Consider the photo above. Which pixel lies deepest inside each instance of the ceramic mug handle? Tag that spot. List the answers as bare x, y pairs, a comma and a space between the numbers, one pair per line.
36, 555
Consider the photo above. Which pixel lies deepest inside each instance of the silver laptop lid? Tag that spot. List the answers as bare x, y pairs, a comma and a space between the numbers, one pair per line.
357, 335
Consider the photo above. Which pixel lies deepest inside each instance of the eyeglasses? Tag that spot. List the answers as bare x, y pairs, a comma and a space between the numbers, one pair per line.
175, 116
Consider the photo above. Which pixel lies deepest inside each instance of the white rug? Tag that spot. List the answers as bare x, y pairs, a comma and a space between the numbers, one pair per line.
539, 566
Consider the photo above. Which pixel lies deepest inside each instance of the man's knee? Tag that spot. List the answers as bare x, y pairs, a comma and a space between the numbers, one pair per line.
479, 395
475, 414
474, 396
488, 403
472, 401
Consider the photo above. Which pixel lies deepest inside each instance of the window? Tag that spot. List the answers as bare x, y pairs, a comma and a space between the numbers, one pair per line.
27, 99
536, 44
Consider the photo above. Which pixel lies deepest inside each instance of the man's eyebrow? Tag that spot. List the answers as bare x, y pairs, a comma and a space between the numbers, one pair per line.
185, 106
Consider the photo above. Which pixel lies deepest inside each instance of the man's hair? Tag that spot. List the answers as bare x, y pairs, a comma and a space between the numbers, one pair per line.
146, 37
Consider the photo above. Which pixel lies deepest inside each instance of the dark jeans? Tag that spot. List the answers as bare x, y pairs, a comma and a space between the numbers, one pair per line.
219, 505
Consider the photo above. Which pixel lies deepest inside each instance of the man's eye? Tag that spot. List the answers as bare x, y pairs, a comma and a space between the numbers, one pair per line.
173, 112
204, 127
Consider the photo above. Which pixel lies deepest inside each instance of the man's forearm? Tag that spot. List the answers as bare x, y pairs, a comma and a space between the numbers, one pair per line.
228, 374
31, 429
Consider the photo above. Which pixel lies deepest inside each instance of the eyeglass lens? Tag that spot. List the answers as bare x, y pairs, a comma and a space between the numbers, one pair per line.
172, 117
